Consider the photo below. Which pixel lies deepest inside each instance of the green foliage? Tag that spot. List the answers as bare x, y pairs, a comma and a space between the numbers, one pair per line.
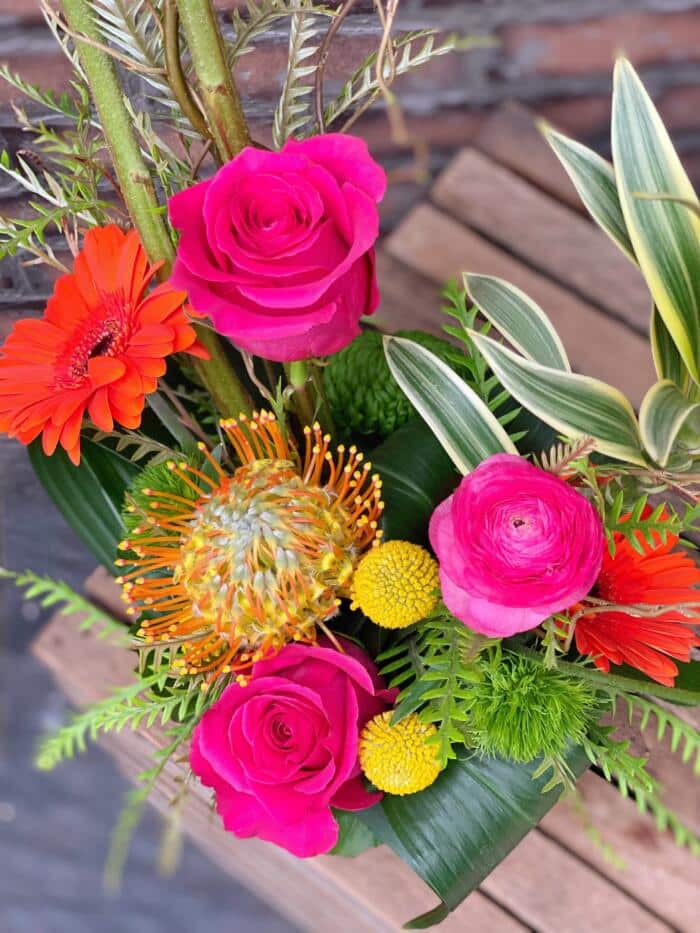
412, 50
363, 395
63, 104
629, 773
436, 665
293, 112
154, 698
683, 738
475, 371
48, 593
521, 710
134, 445
562, 457
640, 527
261, 15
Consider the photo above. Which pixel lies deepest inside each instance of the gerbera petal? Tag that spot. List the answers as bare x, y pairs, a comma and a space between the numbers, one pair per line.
99, 410
105, 369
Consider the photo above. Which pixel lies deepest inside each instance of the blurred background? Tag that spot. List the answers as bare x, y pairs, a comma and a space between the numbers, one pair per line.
553, 57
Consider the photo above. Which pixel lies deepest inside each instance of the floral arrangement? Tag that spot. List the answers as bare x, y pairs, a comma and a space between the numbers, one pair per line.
382, 588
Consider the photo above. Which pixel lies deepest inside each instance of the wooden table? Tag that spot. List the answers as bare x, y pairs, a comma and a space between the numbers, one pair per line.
504, 207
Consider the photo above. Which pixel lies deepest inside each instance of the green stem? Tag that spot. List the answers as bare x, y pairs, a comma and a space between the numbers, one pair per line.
309, 396
139, 194
134, 178
229, 394
218, 92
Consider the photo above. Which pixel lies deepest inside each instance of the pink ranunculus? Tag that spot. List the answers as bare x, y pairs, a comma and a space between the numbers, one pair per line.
278, 247
282, 750
515, 544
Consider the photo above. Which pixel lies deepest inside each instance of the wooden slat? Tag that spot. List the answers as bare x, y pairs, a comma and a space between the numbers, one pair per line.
439, 247
556, 892
655, 872
510, 137
543, 233
375, 892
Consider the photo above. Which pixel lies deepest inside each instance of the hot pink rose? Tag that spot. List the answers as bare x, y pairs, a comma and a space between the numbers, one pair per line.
515, 545
282, 750
277, 247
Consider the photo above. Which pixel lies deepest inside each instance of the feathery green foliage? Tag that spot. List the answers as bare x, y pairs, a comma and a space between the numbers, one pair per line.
683, 737
49, 593
474, 369
521, 710
436, 664
293, 112
261, 15
160, 477
653, 528
629, 773
411, 50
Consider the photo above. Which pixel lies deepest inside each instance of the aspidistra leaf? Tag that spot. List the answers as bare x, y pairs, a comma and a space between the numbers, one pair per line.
665, 235
572, 404
594, 179
522, 322
664, 412
460, 420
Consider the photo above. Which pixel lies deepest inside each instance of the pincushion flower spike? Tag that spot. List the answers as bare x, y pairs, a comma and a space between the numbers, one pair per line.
258, 557
99, 349
658, 576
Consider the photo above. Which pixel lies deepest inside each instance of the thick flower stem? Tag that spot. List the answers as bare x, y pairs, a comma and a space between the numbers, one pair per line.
217, 90
132, 172
309, 397
221, 381
139, 194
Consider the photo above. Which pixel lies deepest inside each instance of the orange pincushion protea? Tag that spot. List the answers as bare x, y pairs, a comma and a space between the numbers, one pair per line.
100, 346
260, 557
659, 576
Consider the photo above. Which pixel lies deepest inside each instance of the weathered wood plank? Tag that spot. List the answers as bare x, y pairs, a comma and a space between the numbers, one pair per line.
510, 137
437, 246
544, 233
554, 892
655, 872
375, 893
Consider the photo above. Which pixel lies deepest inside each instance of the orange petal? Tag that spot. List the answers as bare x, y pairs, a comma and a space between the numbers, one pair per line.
105, 369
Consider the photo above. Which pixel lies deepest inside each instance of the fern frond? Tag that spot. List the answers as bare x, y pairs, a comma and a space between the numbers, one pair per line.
683, 737
562, 454
62, 104
48, 593
434, 666
132, 444
637, 528
631, 777
261, 15
293, 112
412, 50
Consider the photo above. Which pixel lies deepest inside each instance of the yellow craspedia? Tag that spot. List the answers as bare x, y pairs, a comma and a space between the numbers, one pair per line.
399, 759
396, 584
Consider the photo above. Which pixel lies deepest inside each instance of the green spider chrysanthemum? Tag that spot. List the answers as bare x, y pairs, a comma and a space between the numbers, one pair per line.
521, 710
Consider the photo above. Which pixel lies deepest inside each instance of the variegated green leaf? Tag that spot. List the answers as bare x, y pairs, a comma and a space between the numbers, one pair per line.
667, 359
594, 179
575, 405
456, 415
665, 235
522, 322
664, 412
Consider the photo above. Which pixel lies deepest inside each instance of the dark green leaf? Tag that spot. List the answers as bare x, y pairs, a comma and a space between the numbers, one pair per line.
454, 833
355, 836
89, 496
417, 475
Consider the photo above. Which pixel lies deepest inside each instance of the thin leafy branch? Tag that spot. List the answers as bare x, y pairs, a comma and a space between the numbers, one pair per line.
629, 773
55, 593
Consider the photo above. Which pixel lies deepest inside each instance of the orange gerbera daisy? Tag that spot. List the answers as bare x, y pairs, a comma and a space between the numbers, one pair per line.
100, 346
659, 576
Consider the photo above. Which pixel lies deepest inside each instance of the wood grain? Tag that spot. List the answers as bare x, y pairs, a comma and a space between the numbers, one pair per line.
544, 233
510, 137
440, 248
